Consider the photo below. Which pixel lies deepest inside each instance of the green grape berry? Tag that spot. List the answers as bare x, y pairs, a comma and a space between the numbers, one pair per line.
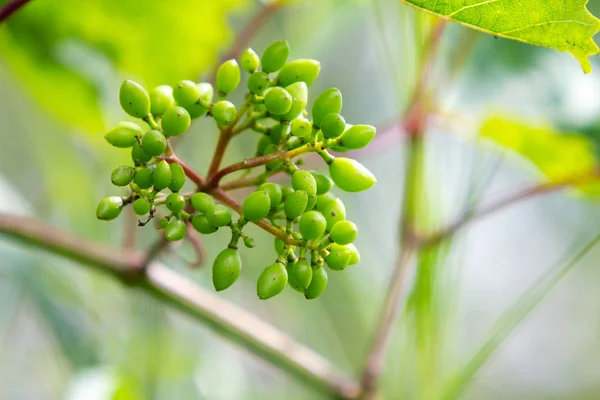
162, 223
207, 92
343, 232
324, 183
175, 202
294, 284
250, 60
350, 175
312, 225
295, 204
224, 113
226, 269
293, 143
302, 70
178, 177
138, 155
275, 56
330, 101
357, 137
354, 254
334, 211
274, 191
161, 99
278, 101
124, 134
202, 202
271, 281
304, 180
279, 246
134, 99
301, 127
323, 200
219, 216
162, 175
317, 285
154, 143
141, 206
109, 208
249, 242
175, 231
299, 93
302, 272
333, 125
144, 178
176, 121
228, 77
201, 223
121, 176
256, 206
312, 202
258, 82
338, 258
186, 93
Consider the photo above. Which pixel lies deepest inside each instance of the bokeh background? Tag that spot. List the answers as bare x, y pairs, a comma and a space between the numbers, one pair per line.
67, 333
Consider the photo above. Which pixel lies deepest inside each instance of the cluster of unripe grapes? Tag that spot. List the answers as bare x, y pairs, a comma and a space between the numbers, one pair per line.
308, 221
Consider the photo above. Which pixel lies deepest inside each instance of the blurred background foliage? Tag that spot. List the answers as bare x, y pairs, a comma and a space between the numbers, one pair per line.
70, 334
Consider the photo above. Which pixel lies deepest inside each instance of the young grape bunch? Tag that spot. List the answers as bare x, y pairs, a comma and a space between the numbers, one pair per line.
312, 234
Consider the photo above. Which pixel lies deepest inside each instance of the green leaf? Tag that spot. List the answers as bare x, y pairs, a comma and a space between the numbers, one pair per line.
559, 156
72, 54
564, 25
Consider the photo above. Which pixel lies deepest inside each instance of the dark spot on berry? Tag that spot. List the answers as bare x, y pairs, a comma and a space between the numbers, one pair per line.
333, 213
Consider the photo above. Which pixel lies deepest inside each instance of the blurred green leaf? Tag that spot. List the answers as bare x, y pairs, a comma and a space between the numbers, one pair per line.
564, 25
67, 52
559, 156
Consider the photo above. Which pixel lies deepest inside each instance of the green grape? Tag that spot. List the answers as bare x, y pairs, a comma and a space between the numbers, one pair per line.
343, 232
186, 93
295, 204
201, 223
207, 92
302, 70
161, 99
258, 82
354, 254
263, 142
323, 200
249, 242
287, 191
162, 223
350, 175
330, 101
271, 281
294, 143
256, 206
357, 137
312, 225
175, 202
224, 112
175, 231
141, 206
109, 208
121, 176
278, 101
144, 178
134, 99
302, 272
279, 246
338, 258
138, 155
274, 191
275, 56
162, 175
178, 179
317, 284
299, 93
334, 211
250, 60
123, 135
324, 183
226, 269
301, 127
278, 132
294, 284
274, 165
228, 77
219, 216
312, 202
202, 202
175, 121
304, 180
333, 125
154, 143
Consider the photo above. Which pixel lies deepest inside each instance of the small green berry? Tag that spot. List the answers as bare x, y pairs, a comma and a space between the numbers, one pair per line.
141, 206
161, 99
271, 281
354, 254
224, 113
219, 216
186, 93
302, 70
324, 183
175, 231
317, 284
124, 134
144, 178
358, 136
343, 232
312, 225
294, 284
162, 175
201, 223
226, 269
228, 77
278, 101
109, 208
323, 200
333, 125
138, 155
330, 101
248, 242
350, 175
338, 258
258, 82
134, 99
121, 176
250, 60
275, 56
274, 191
302, 272
178, 177
202, 202
334, 211
154, 143
279, 246
312, 202
301, 127
256, 206
162, 223
207, 92
175, 202
304, 180
175, 121
299, 93
295, 204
